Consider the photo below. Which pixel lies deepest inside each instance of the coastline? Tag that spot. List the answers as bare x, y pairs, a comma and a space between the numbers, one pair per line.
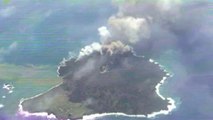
170, 107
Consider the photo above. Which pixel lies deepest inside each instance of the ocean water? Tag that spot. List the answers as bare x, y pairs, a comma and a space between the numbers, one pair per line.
39, 33
24, 90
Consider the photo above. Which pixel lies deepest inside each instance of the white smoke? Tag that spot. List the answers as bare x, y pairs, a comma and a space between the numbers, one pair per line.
126, 29
155, 24
104, 33
86, 51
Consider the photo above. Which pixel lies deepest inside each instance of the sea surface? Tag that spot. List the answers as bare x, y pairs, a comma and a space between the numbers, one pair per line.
22, 87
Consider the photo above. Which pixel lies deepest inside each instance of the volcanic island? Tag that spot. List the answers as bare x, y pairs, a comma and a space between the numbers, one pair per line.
110, 79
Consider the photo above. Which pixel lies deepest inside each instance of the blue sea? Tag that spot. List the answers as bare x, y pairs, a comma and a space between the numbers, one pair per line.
42, 33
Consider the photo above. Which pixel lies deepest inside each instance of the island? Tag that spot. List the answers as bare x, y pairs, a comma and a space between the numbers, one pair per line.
111, 79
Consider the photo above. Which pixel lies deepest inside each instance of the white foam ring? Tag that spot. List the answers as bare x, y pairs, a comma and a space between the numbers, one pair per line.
40, 114
24, 113
170, 107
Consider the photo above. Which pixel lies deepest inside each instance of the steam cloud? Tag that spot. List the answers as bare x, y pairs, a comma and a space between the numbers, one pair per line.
155, 28
103, 79
152, 28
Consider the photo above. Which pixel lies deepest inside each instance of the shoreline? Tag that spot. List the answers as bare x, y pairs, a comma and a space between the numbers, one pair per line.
170, 107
